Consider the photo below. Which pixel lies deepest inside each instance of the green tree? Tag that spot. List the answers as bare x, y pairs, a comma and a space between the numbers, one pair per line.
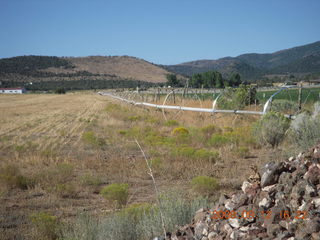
235, 79
172, 80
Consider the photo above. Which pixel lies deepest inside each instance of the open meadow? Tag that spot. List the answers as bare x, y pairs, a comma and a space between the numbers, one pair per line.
57, 152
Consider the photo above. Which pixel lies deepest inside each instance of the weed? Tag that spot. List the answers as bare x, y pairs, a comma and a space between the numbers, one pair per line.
116, 193
46, 224
66, 190
138, 221
204, 185
171, 123
305, 131
91, 180
134, 118
242, 152
271, 129
193, 153
180, 131
218, 140
90, 138
11, 176
209, 130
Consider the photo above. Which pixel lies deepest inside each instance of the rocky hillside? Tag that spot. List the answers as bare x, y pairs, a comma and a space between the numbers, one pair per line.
43, 68
284, 203
254, 65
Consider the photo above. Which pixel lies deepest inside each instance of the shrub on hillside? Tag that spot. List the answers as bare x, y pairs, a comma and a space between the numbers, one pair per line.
46, 224
116, 193
271, 129
171, 123
60, 91
90, 138
218, 140
242, 152
305, 130
138, 221
283, 105
11, 176
204, 185
180, 131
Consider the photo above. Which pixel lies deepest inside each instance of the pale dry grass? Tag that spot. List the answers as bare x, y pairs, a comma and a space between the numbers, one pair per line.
40, 132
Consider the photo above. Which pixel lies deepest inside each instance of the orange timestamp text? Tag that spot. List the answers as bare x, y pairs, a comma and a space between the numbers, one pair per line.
250, 214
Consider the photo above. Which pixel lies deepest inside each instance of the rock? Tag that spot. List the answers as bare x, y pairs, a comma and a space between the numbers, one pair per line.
270, 188
200, 215
271, 176
316, 202
245, 185
315, 236
313, 174
265, 203
222, 199
212, 235
273, 230
234, 222
292, 186
312, 226
199, 229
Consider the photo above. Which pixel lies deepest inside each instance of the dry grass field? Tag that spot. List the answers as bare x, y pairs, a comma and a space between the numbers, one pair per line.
58, 151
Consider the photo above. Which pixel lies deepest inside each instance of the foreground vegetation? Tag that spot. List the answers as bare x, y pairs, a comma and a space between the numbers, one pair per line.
62, 155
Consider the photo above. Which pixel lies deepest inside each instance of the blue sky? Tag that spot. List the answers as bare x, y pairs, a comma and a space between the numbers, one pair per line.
162, 31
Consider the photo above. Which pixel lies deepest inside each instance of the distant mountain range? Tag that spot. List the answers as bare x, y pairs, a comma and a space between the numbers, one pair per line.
298, 60
49, 72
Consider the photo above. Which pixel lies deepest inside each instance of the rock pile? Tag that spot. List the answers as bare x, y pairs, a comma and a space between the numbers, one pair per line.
284, 204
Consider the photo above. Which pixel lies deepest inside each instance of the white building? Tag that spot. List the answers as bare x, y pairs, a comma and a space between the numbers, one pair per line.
12, 90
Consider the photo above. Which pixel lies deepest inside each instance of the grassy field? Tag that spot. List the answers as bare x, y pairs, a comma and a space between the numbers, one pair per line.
309, 95
58, 151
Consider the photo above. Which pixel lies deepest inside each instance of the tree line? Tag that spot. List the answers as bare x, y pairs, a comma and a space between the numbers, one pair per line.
82, 84
210, 79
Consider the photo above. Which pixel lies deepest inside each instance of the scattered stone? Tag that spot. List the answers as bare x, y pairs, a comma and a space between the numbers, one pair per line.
284, 205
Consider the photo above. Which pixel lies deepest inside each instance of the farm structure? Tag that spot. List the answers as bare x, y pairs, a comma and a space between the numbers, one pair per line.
12, 90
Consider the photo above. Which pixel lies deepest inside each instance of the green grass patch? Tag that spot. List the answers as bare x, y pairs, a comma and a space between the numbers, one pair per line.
116, 193
204, 185
171, 123
91, 138
46, 224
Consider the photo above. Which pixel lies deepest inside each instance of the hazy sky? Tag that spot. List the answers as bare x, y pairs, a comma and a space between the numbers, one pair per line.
162, 31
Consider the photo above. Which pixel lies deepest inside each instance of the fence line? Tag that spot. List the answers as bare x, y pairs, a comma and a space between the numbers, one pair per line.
194, 109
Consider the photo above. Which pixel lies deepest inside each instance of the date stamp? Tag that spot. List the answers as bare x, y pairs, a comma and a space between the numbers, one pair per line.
251, 214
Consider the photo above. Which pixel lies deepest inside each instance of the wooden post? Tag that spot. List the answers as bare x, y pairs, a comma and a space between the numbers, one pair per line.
201, 94
299, 96
174, 96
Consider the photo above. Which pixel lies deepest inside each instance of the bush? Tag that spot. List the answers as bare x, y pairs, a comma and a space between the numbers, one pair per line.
242, 152
180, 131
238, 98
138, 221
60, 91
90, 138
46, 224
134, 118
271, 129
285, 106
218, 140
171, 123
305, 131
204, 185
91, 180
11, 176
116, 193
209, 130
210, 156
